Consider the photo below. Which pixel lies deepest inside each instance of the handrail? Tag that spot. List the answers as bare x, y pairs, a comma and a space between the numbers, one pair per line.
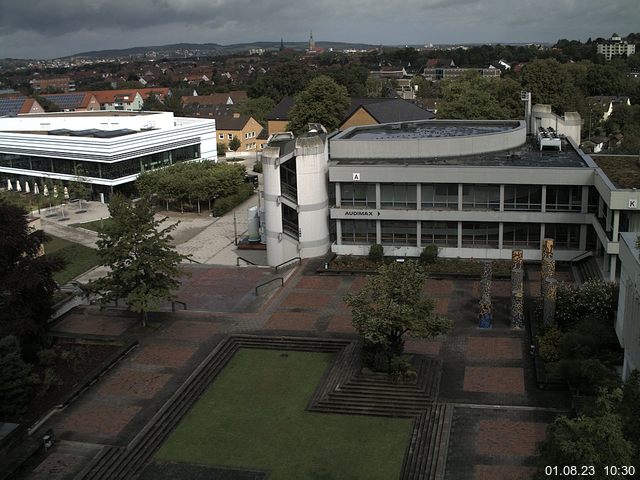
288, 261
270, 281
582, 256
192, 260
173, 305
242, 258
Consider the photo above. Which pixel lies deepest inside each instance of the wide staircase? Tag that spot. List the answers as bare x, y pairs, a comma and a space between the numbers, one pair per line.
344, 389
584, 268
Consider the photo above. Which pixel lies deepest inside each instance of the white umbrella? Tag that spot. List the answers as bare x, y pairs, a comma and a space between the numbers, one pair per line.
27, 188
55, 191
36, 188
46, 190
18, 186
66, 193
9, 185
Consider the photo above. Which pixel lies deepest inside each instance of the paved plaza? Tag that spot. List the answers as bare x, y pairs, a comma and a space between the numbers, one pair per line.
487, 375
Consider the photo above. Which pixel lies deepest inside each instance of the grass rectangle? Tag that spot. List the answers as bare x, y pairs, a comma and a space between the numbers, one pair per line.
253, 416
95, 225
79, 258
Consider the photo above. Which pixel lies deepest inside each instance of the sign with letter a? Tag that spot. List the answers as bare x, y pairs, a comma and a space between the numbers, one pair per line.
356, 177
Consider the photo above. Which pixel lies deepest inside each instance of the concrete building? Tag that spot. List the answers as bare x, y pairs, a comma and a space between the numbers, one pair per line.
476, 189
107, 149
615, 47
628, 317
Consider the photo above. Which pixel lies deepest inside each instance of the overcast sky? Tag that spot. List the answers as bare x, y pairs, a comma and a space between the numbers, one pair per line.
54, 28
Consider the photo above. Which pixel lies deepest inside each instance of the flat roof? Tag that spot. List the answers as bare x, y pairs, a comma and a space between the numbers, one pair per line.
93, 113
428, 129
623, 171
527, 155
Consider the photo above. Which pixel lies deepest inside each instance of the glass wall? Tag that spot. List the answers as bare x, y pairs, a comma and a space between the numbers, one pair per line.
290, 221
565, 198
289, 179
521, 235
481, 197
565, 236
439, 196
399, 232
358, 194
113, 170
398, 195
480, 234
357, 232
523, 197
443, 234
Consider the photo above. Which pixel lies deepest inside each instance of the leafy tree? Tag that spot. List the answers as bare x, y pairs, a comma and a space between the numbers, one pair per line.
258, 108
474, 97
323, 101
550, 83
629, 409
234, 144
587, 440
26, 283
153, 104
284, 80
352, 77
143, 264
14, 372
392, 304
46, 104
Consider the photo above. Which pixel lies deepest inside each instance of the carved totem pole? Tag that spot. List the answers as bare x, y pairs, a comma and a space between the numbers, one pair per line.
485, 317
517, 290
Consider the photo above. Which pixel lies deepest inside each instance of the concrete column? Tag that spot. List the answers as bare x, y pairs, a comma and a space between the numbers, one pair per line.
616, 225
419, 233
542, 234
378, 231
501, 199
339, 232
500, 235
419, 196
459, 234
585, 199
612, 269
460, 193
608, 220
378, 197
338, 195
549, 305
544, 198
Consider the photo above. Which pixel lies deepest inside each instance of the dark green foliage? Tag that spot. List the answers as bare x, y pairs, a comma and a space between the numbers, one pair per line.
14, 391
26, 282
588, 375
221, 147
376, 253
391, 304
629, 410
258, 108
257, 167
429, 254
228, 203
323, 101
587, 440
234, 144
283, 80
593, 299
401, 370
143, 264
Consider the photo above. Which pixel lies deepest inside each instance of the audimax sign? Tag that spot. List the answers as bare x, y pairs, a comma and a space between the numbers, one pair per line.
361, 213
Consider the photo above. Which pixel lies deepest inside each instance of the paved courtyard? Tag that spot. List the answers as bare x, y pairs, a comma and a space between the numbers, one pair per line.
499, 413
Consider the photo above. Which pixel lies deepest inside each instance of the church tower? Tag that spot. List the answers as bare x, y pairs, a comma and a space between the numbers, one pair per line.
312, 42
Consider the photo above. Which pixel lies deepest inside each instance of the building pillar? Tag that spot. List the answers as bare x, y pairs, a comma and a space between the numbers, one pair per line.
460, 194
543, 206
608, 220
485, 316
549, 301
616, 225
419, 233
583, 237
585, 199
501, 199
378, 197
338, 195
547, 267
459, 234
378, 232
418, 196
612, 268
339, 232
500, 235
517, 290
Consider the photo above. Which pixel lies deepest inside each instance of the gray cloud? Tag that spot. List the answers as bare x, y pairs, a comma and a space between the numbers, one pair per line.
47, 28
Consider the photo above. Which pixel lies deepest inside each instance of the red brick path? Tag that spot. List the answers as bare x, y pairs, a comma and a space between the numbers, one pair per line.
492, 348
494, 380
94, 418
503, 472
505, 437
165, 355
133, 383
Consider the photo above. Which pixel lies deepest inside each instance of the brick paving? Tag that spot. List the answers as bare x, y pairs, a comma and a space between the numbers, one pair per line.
503, 472
133, 383
189, 331
505, 437
165, 355
494, 380
98, 419
56, 466
478, 367
492, 348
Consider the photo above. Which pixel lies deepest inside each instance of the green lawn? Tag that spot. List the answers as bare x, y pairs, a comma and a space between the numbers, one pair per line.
95, 225
253, 416
79, 258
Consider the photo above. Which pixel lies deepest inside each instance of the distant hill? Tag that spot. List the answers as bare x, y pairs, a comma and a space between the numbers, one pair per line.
180, 49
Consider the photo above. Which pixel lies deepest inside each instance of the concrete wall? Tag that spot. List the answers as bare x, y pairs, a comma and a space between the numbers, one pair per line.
628, 317
569, 124
359, 117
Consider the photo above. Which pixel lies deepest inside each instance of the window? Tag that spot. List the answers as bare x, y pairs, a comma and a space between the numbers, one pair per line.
443, 234
564, 198
521, 235
358, 232
523, 197
289, 180
565, 236
229, 136
398, 195
440, 196
399, 232
481, 197
290, 221
483, 235
221, 136
358, 195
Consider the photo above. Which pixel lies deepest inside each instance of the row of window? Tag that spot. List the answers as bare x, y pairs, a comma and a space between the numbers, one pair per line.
445, 234
474, 197
114, 170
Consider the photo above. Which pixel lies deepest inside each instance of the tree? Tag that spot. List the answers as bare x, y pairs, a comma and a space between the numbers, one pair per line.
596, 441
392, 304
234, 144
143, 264
26, 283
323, 101
258, 108
551, 83
153, 104
284, 80
13, 377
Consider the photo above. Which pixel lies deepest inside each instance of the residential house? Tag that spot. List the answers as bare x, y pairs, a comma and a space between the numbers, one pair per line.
74, 102
64, 84
615, 47
230, 98
18, 105
244, 127
608, 103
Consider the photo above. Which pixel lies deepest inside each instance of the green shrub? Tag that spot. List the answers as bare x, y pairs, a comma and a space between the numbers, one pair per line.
589, 375
50, 380
592, 299
47, 356
429, 254
376, 253
401, 370
14, 377
221, 147
257, 167
548, 344
226, 204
